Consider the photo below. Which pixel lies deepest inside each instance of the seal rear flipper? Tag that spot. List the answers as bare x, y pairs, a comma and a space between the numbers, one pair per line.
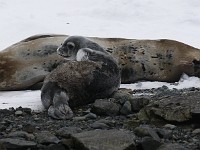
60, 108
47, 93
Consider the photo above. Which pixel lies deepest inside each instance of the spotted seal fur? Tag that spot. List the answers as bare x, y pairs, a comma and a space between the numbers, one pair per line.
26, 63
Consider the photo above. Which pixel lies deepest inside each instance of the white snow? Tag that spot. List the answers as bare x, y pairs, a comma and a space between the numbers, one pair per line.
184, 82
138, 19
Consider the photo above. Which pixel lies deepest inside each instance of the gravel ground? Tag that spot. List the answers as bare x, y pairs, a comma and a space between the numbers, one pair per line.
23, 128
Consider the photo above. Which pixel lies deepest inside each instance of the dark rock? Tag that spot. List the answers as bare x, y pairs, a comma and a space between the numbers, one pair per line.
81, 118
55, 147
91, 116
105, 107
29, 127
146, 131
10, 143
175, 108
143, 115
172, 146
98, 125
18, 113
137, 103
67, 131
196, 131
68, 143
104, 140
195, 112
27, 110
21, 134
122, 96
164, 133
126, 108
149, 143
46, 137
6, 112
107, 121
170, 126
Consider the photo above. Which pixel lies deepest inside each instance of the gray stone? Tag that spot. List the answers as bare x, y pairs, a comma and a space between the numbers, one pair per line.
108, 121
196, 131
67, 131
164, 133
11, 143
45, 137
148, 143
55, 147
18, 113
170, 126
98, 125
22, 134
122, 96
106, 107
104, 140
29, 127
126, 108
146, 131
137, 103
179, 108
195, 112
172, 146
91, 116
81, 118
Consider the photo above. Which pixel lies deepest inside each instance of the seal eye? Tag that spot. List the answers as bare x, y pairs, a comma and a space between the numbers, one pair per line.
70, 45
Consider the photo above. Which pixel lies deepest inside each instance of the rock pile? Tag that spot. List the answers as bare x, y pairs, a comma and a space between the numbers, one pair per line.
156, 119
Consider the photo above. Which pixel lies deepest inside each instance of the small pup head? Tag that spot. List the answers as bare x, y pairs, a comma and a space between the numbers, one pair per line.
72, 44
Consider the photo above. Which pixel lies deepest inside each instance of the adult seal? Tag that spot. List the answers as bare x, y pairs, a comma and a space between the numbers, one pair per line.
26, 63
91, 73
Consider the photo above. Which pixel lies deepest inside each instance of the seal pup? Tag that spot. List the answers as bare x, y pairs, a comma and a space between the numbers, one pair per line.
92, 73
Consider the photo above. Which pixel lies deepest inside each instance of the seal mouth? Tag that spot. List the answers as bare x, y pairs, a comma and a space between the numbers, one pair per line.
65, 56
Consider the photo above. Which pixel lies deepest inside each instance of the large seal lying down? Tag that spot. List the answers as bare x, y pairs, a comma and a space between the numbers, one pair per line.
90, 74
26, 63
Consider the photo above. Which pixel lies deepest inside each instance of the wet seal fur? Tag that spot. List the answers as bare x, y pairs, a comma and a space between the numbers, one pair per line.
26, 63
91, 73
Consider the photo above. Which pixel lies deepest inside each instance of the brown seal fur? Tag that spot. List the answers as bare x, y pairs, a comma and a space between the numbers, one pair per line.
91, 73
154, 60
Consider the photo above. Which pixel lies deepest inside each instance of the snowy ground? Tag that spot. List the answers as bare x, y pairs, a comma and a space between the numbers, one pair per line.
139, 19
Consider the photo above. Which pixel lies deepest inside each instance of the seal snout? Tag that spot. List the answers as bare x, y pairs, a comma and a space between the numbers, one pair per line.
62, 52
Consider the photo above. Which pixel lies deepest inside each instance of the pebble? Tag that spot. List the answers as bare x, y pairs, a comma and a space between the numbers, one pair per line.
22, 134
98, 125
126, 108
196, 131
45, 137
9, 143
91, 116
30, 128
170, 126
67, 131
106, 107
146, 131
18, 113
79, 118
148, 143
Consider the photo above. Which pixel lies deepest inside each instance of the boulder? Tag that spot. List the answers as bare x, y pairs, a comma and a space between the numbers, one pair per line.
175, 108
104, 140
106, 107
